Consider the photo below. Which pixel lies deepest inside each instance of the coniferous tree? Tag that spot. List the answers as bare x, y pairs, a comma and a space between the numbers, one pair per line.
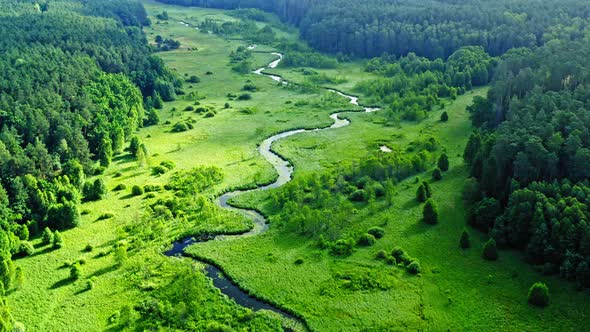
430, 212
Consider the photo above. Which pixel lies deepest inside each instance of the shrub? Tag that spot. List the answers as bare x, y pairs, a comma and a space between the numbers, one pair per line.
150, 195
299, 261
381, 254
26, 248
539, 295
358, 195
444, 117
152, 187
88, 248
75, 271
377, 232
247, 111
414, 267
168, 164
421, 195
391, 260
47, 236
90, 284
400, 256
136, 190
180, 127
465, 242
366, 240
430, 212
159, 170
106, 215
250, 87
189, 109
82, 261
443, 162
437, 174
343, 247
490, 251
85, 212
58, 241
194, 79
209, 73
245, 96
226, 105
120, 186
209, 115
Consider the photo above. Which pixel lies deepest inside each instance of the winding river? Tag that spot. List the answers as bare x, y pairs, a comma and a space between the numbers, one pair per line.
285, 172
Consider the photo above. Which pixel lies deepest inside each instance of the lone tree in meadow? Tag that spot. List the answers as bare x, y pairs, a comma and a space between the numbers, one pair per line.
444, 117
490, 251
539, 295
465, 241
443, 162
430, 212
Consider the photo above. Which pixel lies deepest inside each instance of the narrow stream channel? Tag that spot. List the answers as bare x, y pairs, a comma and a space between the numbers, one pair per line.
285, 172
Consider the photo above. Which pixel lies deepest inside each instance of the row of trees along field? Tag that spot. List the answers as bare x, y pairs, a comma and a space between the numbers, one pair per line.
531, 154
73, 77
430, 28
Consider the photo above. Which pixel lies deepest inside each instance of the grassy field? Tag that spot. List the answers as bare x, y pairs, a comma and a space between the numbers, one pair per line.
456, 291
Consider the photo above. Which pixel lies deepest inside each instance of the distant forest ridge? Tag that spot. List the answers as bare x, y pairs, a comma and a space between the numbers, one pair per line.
433, 29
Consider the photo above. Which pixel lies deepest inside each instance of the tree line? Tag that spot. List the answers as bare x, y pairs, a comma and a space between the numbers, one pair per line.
74, 78
530, 157
433, 29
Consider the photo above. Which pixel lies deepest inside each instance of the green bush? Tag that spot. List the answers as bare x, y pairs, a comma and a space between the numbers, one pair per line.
168, 164
26, 248
58, 241
443, 162
106, 215
75, 271
490, 251
414, 267
152, 187
180, 127
377, 232
437, 174
465, 242
194, 79
430, 212
359, 195
189, 109
88, 248
120, 186
444, 117
381, 254
299, 261
136, 190
159, 170
245, 96
47, 236
343, 247
366, 240
539, 295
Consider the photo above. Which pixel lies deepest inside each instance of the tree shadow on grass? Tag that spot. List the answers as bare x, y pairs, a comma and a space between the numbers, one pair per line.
128, 196
104, 271
417, 228
61, 283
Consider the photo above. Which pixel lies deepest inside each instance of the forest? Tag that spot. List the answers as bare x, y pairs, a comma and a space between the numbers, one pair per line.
294, 165
432, 29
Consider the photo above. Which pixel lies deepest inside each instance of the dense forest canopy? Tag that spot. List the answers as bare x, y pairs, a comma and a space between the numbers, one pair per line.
431, 28
73, 79
531, 157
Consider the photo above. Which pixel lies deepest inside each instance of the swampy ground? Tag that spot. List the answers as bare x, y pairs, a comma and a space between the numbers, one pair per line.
456, 290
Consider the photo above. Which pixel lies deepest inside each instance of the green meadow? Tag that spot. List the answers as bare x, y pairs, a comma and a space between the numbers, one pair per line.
456, 290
